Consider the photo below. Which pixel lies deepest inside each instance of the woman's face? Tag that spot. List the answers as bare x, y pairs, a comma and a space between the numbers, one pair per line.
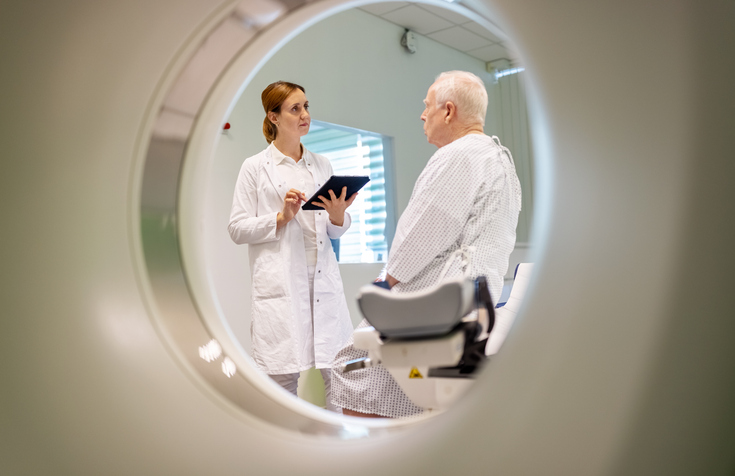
294, 119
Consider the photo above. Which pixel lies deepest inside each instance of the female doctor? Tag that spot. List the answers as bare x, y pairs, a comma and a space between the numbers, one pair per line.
299, 313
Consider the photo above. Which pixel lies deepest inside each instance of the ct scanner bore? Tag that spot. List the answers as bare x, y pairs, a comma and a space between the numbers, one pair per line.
194, 153
622, 363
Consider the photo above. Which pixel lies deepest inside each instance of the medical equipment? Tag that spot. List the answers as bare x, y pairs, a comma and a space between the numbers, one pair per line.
506, 312
431, 341
101, 372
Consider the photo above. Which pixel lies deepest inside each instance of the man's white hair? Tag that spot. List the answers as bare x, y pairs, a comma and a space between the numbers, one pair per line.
466, 91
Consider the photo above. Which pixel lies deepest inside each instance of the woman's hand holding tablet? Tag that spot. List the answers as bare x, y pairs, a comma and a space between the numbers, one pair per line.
335, 184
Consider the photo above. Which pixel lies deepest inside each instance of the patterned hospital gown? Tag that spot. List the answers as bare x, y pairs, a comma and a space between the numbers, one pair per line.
467, 197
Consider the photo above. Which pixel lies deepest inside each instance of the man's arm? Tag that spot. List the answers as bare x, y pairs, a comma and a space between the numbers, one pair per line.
434, 217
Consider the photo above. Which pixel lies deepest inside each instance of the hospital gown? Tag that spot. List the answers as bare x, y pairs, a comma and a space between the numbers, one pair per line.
468, 197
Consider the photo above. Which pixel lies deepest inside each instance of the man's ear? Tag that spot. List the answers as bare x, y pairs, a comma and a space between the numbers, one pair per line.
451, 113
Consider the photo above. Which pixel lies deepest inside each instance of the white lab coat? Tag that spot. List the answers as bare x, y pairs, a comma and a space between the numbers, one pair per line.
278, 269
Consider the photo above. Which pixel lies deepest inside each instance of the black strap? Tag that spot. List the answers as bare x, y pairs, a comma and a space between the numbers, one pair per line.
482, 294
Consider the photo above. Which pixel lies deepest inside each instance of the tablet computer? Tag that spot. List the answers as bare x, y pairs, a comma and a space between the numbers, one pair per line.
335, 183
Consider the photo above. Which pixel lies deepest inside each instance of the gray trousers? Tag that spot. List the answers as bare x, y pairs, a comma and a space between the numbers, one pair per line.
291, 383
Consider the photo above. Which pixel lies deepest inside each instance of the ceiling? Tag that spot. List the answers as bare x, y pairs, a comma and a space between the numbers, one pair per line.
446, 27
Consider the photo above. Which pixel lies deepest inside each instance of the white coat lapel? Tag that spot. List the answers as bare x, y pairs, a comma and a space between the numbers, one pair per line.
269, 164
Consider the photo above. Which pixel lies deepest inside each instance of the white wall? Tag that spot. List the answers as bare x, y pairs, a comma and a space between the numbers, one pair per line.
357, 74
508, 120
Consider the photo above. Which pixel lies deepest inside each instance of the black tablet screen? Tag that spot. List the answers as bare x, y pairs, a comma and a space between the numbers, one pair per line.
335, 183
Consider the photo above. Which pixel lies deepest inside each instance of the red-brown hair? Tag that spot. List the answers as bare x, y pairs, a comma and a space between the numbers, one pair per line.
272, 97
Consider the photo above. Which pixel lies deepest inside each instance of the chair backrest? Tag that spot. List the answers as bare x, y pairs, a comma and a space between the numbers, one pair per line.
422, 313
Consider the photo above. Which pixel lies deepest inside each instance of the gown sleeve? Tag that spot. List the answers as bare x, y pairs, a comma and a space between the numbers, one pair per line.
435, 216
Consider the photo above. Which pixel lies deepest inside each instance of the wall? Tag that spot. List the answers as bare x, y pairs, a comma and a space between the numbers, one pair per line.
508, 119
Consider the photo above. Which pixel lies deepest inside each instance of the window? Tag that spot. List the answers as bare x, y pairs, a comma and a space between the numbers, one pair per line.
356, 152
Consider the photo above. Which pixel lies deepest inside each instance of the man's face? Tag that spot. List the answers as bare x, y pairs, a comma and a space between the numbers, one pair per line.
433, 117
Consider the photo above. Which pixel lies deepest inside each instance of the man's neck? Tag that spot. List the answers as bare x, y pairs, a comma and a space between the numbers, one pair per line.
461, 130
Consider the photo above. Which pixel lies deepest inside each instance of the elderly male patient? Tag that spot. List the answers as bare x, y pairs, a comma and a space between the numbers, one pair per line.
467, 198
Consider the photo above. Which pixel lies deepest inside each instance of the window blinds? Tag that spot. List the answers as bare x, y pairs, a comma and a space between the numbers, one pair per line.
356, 152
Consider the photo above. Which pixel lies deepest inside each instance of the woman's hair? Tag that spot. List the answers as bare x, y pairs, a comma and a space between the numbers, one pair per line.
466, 91
273, 96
